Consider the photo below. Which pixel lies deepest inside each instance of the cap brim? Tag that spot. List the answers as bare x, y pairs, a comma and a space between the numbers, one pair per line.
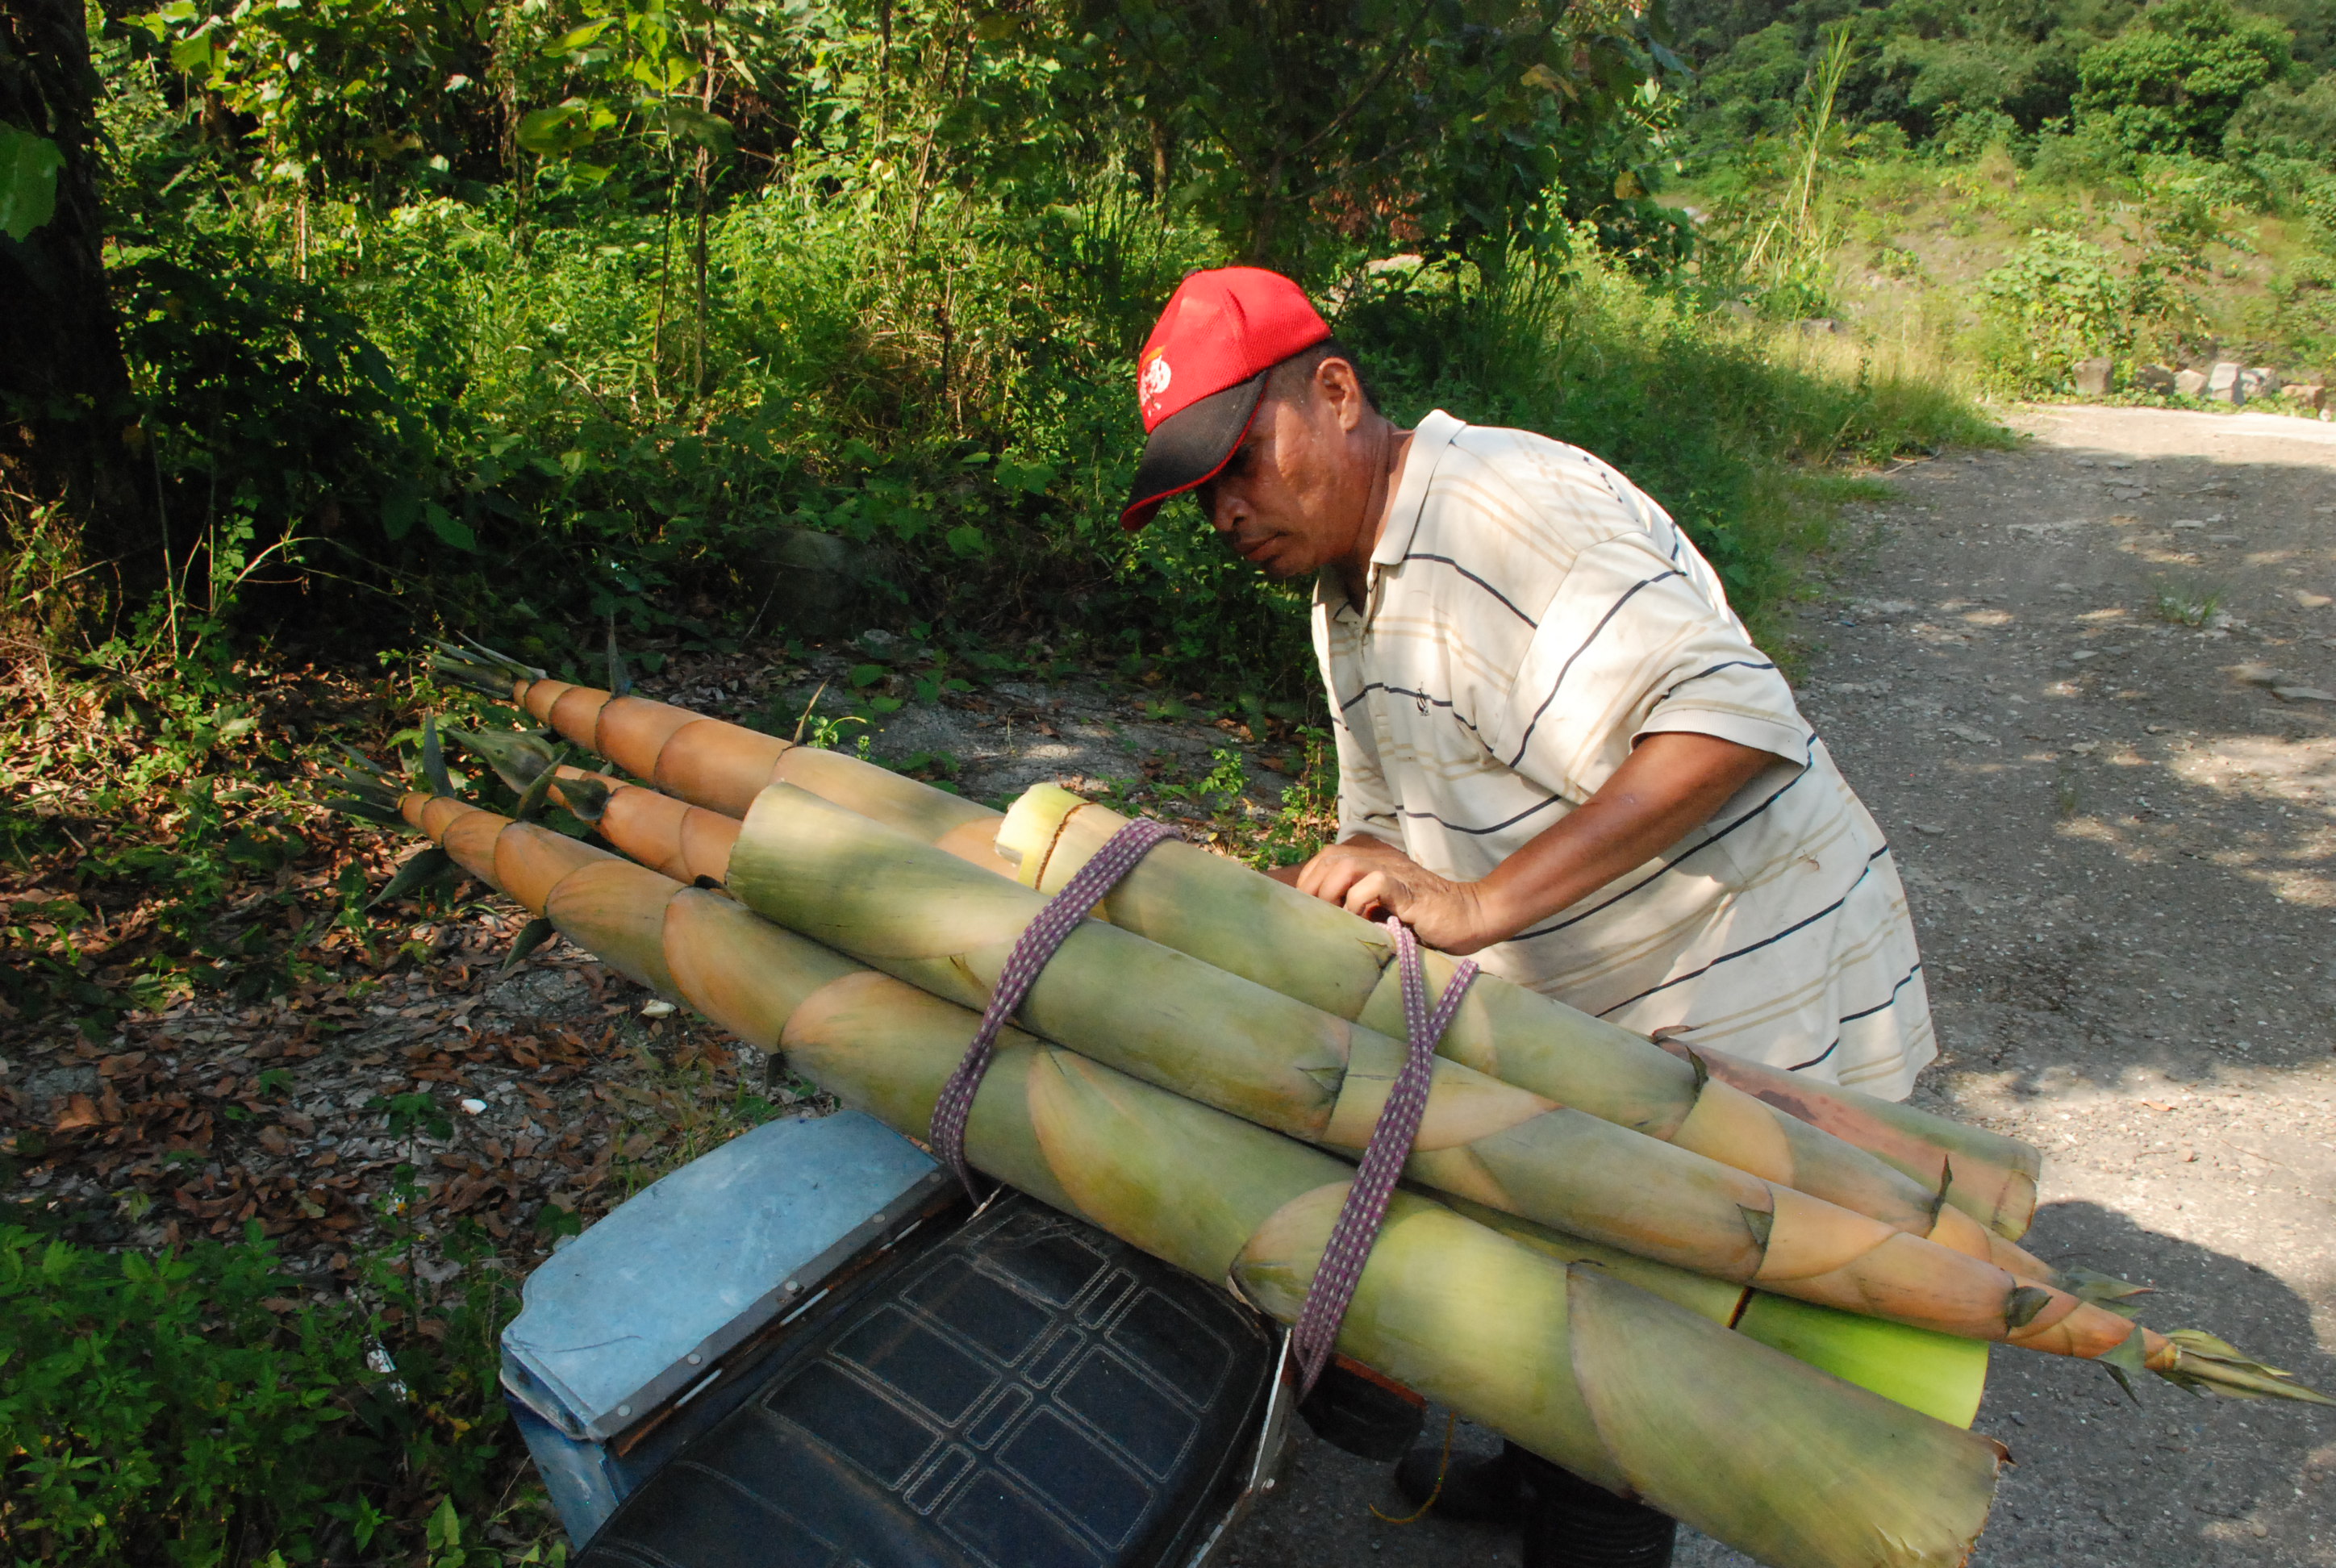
1188, 447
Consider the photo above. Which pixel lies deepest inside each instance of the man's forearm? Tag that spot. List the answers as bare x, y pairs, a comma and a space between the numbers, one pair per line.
1671, 784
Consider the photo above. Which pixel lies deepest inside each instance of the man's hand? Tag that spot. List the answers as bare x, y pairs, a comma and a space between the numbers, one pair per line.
1373, 879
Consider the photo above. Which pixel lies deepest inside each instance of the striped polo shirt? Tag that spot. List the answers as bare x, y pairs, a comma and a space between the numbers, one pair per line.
1531, 615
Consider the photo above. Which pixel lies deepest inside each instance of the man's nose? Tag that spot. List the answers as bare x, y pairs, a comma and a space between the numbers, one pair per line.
1224, 511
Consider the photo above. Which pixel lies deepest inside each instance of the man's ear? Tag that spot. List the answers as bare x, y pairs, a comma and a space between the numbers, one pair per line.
1335, 381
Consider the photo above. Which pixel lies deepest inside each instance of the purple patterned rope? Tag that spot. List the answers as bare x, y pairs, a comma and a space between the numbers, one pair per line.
1357, 1228
1036, 945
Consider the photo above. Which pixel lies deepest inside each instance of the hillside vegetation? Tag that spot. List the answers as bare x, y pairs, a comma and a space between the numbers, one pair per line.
2018, 187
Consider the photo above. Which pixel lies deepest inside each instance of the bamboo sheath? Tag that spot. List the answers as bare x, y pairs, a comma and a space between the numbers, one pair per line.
1938, 1374
1250, 922
1166, 1018
1776, 1458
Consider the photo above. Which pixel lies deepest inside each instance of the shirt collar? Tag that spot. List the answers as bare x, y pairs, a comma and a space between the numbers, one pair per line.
1429, 437
1429, 440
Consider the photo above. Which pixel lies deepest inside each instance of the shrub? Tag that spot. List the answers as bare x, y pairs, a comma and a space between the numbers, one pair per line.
2299, 309
188, 1409
2284, 122
1973, 132
2055, 301
2076, 160
2173, 79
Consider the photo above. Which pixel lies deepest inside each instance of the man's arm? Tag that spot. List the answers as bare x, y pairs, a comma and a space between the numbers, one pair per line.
1670, 782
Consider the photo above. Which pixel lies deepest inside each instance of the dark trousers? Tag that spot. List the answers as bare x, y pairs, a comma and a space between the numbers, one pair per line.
1571, 1523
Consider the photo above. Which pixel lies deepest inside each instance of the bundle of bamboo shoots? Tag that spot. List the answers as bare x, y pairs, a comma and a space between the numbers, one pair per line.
1206, 1034
1544, 1341
1339, 964
1166, 1018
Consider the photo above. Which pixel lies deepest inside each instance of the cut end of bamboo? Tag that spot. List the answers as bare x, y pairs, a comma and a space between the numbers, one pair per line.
1032, 824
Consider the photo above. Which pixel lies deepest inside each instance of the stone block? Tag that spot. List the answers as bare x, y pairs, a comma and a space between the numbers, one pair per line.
2191, 383
2223, 382
817, 581
2154, 378
2310, 394
2095, 376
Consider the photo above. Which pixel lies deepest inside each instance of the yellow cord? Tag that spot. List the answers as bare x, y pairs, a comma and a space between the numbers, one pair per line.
1443, 1465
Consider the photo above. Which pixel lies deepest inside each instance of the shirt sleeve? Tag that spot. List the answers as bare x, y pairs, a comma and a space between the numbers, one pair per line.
1635, 643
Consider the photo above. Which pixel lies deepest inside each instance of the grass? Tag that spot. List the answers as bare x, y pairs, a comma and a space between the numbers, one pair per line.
2184, 603
2205, 262
1750, 436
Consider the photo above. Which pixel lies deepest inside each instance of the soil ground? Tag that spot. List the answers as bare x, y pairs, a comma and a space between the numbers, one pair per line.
2120, 846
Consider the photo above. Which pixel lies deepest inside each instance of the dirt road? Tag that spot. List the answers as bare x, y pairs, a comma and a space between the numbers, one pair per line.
2056, 676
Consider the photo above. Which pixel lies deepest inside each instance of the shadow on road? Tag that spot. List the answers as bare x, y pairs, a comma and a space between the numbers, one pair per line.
2173, 1478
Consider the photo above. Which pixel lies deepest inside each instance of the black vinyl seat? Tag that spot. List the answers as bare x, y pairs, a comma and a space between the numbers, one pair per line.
1023, 1391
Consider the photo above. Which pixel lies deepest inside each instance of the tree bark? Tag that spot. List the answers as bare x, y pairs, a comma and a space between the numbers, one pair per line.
67, 416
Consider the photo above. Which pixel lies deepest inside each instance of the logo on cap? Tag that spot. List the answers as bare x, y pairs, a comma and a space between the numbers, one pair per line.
1152, 382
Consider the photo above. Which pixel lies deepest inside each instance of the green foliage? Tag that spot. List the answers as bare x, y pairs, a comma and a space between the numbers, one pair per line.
1786, 258
2060, 300
1923, 65
28, 180
193, 1409
338, 90
1967, 133
2076, 160
2163, 134
2299, 306
1724, 435
1959, 79
2279, 122
2187, 602
521, 323
1441, 125
2173, 79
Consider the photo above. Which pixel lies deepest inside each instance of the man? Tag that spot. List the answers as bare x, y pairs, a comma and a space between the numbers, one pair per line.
1558, 747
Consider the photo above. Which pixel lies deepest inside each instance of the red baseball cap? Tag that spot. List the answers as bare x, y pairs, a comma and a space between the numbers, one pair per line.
1203, 371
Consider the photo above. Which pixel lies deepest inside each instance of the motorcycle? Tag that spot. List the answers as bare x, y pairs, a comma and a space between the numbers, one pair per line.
810, 1347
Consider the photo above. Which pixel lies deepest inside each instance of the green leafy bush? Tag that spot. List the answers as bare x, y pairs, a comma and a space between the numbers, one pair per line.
2174, 78
191, 1409
2299, 307
2281, 122
2058, 299
1972, 132
2078, 159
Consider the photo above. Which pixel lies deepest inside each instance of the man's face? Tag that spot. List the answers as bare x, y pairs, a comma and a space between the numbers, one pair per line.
1291, 499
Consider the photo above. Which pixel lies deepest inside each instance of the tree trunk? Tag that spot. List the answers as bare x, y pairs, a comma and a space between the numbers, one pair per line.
67, 417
